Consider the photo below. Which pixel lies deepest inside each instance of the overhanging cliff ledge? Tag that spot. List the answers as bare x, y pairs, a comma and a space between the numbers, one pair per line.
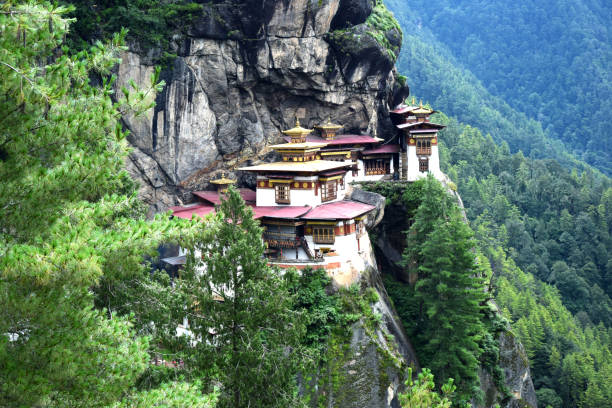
244, 73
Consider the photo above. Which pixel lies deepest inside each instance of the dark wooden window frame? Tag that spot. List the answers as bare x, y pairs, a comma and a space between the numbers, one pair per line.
423, 164
323, 234
423, 146
374, 167
329, 190
282, 193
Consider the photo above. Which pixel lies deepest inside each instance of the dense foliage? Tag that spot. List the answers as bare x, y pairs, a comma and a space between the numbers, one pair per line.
554, 222
547, 59
68, 218
443, 313
242, 312
152, 23
434, 72
420, 393
537, 222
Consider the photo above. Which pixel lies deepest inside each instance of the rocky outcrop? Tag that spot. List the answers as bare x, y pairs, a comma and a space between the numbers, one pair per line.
246, 71
356, 193
519, 392
368, 367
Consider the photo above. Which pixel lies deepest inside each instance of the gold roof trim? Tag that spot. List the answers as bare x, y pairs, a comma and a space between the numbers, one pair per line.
297, 130
329, 125
223, 180
298, 146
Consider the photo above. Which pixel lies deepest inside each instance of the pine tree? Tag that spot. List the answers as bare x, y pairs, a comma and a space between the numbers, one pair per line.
450, 290
242, 311
68, 216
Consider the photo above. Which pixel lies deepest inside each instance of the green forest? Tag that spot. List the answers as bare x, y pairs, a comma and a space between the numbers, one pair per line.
529, 73
546, 232
541, 216
547, 59
83, 316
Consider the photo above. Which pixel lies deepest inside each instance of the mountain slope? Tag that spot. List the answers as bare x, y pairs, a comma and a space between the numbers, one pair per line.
549, 60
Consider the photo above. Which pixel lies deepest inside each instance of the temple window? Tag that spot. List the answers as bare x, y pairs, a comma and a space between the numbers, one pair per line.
423, 146
281, 192
377, 167
329, 191
323, 234
423, 165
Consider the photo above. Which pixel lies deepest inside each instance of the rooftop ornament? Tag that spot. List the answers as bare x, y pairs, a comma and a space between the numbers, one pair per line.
298, 133
223, 182
329, 129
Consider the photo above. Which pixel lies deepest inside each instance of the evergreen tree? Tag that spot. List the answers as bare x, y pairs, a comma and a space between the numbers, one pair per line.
420, 393
450, 290
241, 312
68, 217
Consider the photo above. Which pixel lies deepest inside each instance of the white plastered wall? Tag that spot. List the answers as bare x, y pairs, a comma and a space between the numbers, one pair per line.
298, 197
413, 164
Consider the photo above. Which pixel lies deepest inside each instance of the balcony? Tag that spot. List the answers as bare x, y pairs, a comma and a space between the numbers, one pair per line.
281, 240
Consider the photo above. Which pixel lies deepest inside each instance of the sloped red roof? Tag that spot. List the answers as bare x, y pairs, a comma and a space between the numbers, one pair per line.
188, 211
404, 109
419, 131
279, 211
388, 148
212, 197
425, 124
339, 210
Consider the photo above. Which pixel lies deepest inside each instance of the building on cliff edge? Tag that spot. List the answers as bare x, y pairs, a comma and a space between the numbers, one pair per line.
301, 199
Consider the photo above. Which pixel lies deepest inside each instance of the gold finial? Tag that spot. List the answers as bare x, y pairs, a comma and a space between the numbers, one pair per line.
421, 103
297, 122
329, 120
413, 101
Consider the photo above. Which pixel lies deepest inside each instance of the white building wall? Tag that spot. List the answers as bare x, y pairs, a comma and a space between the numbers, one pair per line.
298, 196
413, 164
361, 176
265, 197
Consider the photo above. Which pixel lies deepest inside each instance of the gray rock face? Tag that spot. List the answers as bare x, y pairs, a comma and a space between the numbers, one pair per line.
367, 197
369, 368
245, 72
514, 363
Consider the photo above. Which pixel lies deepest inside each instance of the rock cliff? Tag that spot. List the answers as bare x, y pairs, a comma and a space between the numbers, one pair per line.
247, 70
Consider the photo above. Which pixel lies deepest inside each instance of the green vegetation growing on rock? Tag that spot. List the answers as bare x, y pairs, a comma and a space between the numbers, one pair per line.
443, 312
381, 22
420, 393
150, 23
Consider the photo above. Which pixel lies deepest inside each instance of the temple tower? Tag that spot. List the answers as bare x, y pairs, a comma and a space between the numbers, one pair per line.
418, 139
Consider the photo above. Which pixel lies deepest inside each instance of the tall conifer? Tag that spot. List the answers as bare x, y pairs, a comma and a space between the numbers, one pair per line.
449, 290
242, 312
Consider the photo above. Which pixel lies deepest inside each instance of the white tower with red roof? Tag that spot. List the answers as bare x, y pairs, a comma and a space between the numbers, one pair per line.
418, 141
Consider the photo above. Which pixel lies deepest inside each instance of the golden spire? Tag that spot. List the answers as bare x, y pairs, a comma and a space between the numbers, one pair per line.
223, 180
297, 122
413, 101
421, 103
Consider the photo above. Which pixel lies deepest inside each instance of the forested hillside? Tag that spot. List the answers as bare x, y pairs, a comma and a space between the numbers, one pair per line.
539, 222
497, 64
548, 59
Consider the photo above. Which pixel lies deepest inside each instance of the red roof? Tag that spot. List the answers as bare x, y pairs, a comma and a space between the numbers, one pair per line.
424, 124
188, 211
388, 148
247, 194
339, 210
212, 197
403, 109
279, 211
341, 139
